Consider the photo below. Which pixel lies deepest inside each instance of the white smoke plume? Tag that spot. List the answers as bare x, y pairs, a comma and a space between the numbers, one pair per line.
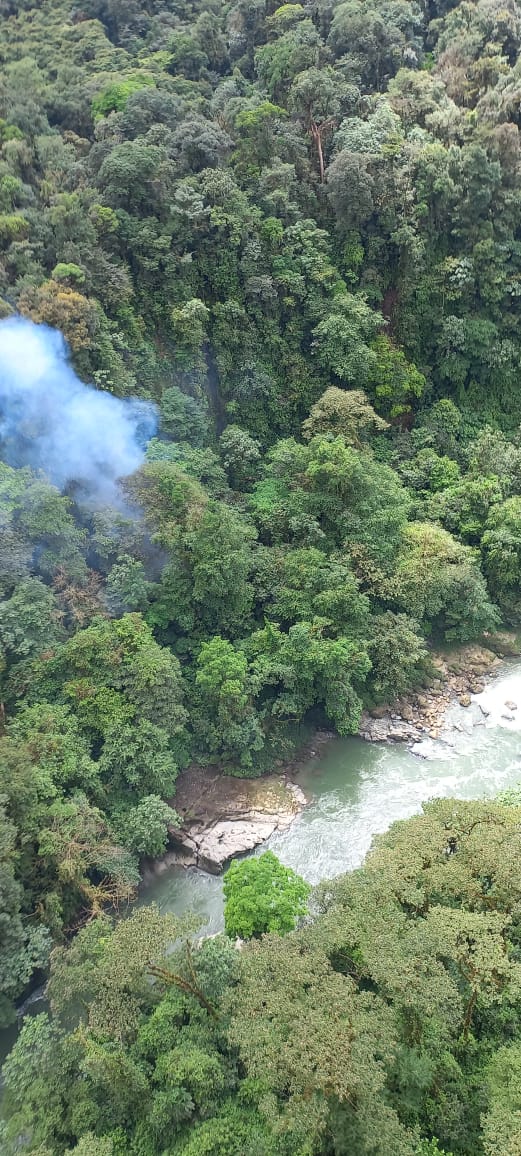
83, 439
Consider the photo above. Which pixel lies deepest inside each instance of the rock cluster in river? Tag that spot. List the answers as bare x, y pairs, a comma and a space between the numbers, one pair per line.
459, 674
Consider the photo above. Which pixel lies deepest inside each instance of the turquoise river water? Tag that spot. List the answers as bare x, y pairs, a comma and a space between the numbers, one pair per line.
357, 789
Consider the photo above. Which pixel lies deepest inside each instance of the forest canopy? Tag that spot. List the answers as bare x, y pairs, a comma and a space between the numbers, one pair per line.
387, 1024
291, 233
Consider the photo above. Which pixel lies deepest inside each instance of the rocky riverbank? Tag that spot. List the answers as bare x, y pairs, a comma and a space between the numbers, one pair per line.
223, 816
459, 673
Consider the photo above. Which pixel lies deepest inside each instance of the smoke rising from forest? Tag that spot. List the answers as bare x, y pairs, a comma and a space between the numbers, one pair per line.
80, 437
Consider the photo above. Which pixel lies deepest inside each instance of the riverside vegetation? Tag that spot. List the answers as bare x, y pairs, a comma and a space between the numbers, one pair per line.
295, 230
387, 1025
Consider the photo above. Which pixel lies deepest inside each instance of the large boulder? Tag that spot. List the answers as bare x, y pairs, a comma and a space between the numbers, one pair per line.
223, 817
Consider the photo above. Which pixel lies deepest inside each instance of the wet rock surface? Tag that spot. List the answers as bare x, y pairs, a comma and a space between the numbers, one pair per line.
388, 729
223, 816
460, 673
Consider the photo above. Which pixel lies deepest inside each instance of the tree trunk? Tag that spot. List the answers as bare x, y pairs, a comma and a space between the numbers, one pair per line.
316, 134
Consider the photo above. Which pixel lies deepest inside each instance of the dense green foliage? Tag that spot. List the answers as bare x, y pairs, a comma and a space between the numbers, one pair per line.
262, 895
296, 229
387, 1025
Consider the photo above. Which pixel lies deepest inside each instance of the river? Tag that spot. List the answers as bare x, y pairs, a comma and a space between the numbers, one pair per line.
357, 789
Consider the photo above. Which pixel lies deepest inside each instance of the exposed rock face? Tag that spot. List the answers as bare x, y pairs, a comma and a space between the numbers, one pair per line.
385, 729
224, 817
460, 674
214, 846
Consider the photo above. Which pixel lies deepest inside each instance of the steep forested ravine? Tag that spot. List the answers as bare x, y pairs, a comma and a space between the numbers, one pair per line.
356, 790
260, 455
